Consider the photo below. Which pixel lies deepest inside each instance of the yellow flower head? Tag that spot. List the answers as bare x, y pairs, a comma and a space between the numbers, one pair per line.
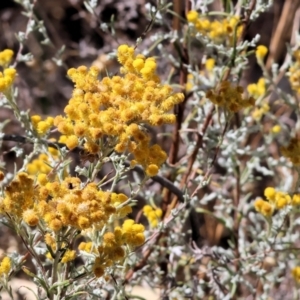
257, 89
19, 195
6, 79
30, 217
229, 97
68, 256
109, 240
270, 194
264, 207
282, 200
40, 166
133, 234
218, 30
5, 266
6, 57
98, 270
296, 274
72, 141
276, 129
152, 214
87, 247
192, 16
147, 209
35, 120
261, 52
296, 199
152, 170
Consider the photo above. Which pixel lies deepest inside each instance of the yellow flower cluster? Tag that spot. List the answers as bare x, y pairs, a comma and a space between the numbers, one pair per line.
118, 201
61, 204
57, 205
41, 126
5, 266
132, 233
275, 200
229, 97
296, 274
153, 215
19, 195
8, 75
217, 30
259, 111
117, 108
71, 205
292, 151
258, 89
264, 207
294, 72
68, 256
39, 165
42, 166
112, 248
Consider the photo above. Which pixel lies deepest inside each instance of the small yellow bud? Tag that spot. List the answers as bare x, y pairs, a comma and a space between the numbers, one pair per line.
43, 127
35, 120
147, 209
158, 212
296, 199
296, 274
261, 52
152, 170
192, 16
276, 129
10, 72
270, 193
281, 202
123, 48
5, 57
138, 64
